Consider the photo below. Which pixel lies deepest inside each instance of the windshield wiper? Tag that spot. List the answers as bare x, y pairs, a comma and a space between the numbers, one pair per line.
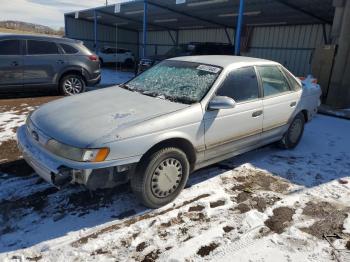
182, 99
127, 87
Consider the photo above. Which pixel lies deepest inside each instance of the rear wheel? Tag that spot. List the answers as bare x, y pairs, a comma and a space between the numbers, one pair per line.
71, 84
294, 133
161, 177
129, 63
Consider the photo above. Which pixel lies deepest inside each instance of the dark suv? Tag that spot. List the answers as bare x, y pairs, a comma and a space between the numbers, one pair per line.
38, 61
193, 48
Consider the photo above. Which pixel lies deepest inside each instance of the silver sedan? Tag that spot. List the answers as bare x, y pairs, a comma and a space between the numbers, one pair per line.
181, 115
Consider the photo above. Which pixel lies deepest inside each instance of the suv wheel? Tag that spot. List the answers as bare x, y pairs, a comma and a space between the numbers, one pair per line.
129, 63
161, 177
71, 85
293, 135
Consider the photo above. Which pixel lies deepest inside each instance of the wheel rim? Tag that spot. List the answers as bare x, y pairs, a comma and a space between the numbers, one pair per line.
295, 130
166, 177
72, 86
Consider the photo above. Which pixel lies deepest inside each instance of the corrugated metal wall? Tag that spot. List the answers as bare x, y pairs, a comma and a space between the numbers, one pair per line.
292, 46
84, 30
160, 42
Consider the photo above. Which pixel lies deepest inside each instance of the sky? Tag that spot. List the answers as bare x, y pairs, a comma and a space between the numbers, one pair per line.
44, 12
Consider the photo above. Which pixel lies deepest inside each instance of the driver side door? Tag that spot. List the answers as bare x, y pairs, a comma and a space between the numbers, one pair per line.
238, 128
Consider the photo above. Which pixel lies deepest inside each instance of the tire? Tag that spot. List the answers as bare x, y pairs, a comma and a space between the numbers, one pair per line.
71, 84
294, 133
129, 63
155, 182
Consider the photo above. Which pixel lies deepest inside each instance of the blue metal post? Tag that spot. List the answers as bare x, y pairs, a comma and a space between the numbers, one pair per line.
239, 28
95, 30
65, 26
144, 41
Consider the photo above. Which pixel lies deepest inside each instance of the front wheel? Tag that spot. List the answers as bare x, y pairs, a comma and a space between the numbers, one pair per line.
161, 177
294, 133
71, 85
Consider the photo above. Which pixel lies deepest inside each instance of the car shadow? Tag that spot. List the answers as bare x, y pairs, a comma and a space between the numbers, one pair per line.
31, 211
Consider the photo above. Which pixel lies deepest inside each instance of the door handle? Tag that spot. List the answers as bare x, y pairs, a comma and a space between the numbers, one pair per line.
257, 113
60, 61
293, 104
14, 63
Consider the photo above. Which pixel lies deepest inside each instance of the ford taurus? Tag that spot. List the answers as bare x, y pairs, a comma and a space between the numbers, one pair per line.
181, 115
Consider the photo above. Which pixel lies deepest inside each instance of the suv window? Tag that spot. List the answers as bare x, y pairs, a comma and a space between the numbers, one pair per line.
121, 51
10, 47
241, 85
68, 49
42, 48
293, 83
109, 51
273, 81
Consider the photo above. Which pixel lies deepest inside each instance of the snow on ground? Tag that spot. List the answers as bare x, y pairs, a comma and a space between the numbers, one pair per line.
266, 205
10, 120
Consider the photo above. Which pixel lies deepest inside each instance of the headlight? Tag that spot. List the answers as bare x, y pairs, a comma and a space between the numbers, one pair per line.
77, 154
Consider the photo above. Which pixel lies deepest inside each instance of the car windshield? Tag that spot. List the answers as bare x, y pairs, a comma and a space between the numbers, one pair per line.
177, 81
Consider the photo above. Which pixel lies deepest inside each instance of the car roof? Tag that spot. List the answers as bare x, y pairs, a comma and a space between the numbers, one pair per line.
225, 60
37, 37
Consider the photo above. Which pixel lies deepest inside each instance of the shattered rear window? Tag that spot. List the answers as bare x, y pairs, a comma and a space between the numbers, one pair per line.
177, 81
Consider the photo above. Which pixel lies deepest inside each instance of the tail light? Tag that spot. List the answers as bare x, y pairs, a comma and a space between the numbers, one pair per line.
93, 57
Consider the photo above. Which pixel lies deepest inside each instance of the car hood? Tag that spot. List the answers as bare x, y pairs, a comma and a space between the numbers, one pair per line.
83, 119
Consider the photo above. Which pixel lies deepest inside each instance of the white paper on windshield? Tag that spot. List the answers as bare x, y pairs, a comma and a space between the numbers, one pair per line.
207, 68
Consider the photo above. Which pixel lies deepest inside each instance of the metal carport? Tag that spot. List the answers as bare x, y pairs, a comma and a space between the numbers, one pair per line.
174, 15
288, 31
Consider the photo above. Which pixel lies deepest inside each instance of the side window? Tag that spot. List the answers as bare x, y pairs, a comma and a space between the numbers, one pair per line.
10, 47
121, 51
241, 85
42, 48
68, 49
273, 81
293, 83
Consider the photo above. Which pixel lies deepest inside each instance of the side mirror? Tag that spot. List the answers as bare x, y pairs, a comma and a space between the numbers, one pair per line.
221, 102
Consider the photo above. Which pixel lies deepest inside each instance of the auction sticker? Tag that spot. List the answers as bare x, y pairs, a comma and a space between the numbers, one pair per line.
207, 68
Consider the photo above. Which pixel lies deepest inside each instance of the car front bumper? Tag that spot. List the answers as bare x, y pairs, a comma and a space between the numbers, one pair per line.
59, 171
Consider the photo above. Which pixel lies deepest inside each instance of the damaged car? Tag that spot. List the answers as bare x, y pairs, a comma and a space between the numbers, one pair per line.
179, 116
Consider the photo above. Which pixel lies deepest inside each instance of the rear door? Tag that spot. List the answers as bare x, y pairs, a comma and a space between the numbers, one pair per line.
229, 130
280, 101
42, 62
11, 63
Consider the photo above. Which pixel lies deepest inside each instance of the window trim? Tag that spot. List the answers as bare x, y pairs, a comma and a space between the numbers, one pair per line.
262, 85
39, 40
285, 73
21, 47
260, 94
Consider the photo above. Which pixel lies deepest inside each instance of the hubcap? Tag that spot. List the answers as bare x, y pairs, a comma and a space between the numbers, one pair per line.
166, 177
72, 86
295, 130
